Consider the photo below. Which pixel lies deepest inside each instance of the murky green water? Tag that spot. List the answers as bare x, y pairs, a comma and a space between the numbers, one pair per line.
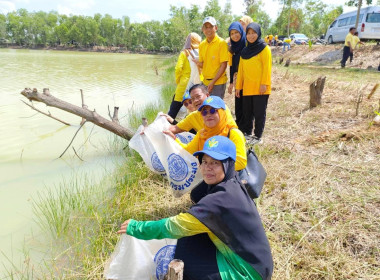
30, 142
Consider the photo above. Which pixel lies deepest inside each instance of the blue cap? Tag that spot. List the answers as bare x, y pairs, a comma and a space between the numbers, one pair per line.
219, 148
214, 102
186, 96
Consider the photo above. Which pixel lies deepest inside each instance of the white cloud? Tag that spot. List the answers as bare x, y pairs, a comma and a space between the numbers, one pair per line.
64, 10
6, 7
141, 17
75, 7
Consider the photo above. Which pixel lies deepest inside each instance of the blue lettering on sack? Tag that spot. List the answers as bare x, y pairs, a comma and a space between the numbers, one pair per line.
178, 169
156, 163
188, 182
162, 259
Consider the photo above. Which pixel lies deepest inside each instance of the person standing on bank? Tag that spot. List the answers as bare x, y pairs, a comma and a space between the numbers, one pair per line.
348, 46
183, 73
254, 78
213, 58
238, 41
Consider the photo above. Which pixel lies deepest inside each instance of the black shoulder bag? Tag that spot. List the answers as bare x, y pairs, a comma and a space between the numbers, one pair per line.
253, 175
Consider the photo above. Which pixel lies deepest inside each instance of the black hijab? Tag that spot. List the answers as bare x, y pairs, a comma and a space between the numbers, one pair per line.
256, 47
231, 215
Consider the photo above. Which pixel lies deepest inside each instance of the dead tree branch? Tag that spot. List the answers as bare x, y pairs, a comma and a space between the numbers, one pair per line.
72, 140
43, 113
88, 115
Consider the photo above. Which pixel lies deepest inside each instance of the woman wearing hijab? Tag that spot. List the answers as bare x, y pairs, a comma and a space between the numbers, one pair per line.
237, 41
183, 72
254, 78
217, 122
222, 236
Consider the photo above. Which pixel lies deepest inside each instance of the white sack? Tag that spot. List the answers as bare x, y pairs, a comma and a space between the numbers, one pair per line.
181, 167
135, 259
141, 144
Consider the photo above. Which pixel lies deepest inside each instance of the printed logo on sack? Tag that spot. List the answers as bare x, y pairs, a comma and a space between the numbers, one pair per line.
178, 169
162, 259
183, 139
213, 143
209, 99
156, 163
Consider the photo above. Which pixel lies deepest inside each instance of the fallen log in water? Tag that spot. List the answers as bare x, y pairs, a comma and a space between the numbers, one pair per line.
87, 115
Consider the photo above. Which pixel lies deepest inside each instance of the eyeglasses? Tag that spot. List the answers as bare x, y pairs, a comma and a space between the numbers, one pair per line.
205, 112
187, 102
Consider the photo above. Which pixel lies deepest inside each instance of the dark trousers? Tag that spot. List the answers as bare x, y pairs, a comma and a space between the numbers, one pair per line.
346, 55
239, 107
199, 255
175, 106
254, 109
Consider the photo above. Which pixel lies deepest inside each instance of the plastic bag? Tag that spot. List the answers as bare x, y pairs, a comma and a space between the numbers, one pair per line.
181, 167
185, 137
141, 144
135, 259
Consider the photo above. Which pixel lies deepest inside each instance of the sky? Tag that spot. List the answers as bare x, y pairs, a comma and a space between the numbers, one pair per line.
136, 10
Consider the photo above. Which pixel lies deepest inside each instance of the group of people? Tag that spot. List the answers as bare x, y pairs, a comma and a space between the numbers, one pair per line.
221, 236
351, 42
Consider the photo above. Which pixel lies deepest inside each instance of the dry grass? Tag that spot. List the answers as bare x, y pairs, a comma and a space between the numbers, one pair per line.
321, 200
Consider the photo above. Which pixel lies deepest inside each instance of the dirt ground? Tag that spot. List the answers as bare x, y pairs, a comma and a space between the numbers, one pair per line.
365, 57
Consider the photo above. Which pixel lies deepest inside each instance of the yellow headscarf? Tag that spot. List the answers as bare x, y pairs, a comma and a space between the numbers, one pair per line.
226, 122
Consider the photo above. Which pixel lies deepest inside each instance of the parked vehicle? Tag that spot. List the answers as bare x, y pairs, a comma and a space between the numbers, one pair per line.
368, 25
299, 38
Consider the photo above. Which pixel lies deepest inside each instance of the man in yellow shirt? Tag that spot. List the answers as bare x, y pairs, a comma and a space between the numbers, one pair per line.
348, 46
355, 44
213, 58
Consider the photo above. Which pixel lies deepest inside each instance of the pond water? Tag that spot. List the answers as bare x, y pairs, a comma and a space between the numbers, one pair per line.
30, 142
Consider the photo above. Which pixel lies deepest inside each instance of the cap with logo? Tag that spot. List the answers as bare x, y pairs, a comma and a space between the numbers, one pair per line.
219, 148
186, 96
210, 20
214, 102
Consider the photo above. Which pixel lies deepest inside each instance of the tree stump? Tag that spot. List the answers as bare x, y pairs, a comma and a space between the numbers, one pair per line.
287, 62
316, 90
175, 270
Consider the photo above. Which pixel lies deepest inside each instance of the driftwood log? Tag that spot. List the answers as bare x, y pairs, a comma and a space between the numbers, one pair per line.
86, 114
175, 270
316, 90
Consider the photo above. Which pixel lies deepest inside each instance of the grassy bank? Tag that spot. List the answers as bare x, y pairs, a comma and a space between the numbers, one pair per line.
320, 204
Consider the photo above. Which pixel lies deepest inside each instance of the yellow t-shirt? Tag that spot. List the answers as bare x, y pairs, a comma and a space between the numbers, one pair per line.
212, 55
349, 38
195, 121
236, 136
288, 40
182, 76
355, 41
270, 37
254, 72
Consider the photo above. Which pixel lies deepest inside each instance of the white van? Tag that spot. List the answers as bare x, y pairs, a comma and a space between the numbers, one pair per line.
368, 26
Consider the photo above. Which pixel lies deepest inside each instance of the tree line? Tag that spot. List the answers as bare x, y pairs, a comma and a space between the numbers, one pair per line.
32, 29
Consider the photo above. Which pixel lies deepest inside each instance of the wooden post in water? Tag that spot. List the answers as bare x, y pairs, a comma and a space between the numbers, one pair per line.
175, 270
316, 90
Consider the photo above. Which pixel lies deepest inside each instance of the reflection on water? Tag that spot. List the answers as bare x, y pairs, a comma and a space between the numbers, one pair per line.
30, 143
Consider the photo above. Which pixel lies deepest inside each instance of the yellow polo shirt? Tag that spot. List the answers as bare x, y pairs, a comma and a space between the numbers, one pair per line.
349, 38
254, 72
212, 55
355, 42
195, 121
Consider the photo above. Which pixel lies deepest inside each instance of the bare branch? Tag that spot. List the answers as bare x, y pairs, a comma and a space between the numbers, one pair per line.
85, 113
43, 113
77, 154
72, 140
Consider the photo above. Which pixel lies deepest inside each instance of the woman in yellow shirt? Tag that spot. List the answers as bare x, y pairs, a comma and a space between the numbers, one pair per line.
183, 72
254, 78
